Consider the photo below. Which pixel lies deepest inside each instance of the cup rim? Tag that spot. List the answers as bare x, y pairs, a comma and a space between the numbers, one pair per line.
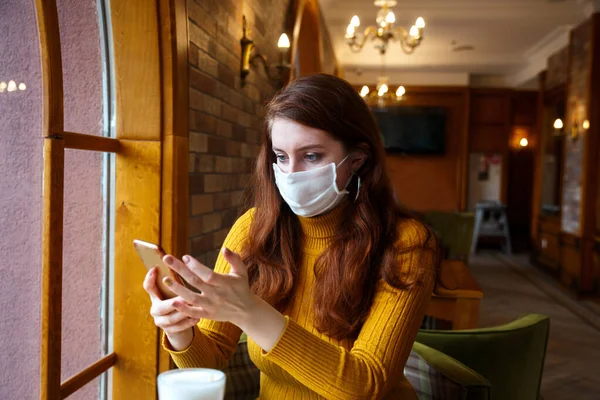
220, 375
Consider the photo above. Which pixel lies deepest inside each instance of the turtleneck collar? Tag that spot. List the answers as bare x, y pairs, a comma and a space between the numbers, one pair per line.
323, 226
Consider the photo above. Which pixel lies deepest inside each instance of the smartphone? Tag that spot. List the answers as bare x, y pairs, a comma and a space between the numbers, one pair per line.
152, 255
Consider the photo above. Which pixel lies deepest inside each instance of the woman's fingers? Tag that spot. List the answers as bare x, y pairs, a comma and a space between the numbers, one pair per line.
160, 308
200, 270
150, 285
193, 312
194, 299
235, 261
165, 321
181, 326
194, 273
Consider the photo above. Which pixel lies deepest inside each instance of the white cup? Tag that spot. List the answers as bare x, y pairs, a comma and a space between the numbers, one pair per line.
191, 384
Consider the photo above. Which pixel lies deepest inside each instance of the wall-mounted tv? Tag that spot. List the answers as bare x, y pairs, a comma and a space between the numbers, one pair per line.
412, 130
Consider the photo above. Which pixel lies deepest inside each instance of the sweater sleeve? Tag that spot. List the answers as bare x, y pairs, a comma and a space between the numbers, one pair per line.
376, 361
214, 342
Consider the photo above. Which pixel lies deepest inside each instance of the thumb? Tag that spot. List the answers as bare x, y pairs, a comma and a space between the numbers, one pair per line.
237, 265
150, 284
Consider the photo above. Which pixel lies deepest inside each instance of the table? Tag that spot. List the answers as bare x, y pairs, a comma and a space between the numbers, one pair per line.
456, 296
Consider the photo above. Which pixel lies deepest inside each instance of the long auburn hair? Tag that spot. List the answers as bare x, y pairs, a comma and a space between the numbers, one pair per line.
364, 248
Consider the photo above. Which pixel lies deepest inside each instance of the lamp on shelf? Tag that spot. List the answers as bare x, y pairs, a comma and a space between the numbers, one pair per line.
385, 31
248, 58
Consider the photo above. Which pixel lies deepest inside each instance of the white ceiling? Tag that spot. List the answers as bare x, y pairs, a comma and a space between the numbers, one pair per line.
512, 38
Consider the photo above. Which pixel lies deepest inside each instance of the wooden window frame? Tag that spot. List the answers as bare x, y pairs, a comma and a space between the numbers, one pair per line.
150, 57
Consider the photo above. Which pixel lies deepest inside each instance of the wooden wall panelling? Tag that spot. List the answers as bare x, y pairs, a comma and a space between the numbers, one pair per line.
548, 242
463, 172
490, 107
519, 197
306, 40
137, 73
139, 116
597, 264
520, 185
589, 201
444, 173
137, 216
539, 153
175, 121
570, 260
488, 138
490, 127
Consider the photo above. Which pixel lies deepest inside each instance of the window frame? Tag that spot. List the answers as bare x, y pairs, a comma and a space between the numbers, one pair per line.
151, 152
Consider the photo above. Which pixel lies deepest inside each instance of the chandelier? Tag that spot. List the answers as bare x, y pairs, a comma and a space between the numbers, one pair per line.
385, 31
382, 95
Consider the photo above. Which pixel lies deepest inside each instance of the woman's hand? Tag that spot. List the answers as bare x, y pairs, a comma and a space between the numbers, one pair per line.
225, 298
177, 325
222, 298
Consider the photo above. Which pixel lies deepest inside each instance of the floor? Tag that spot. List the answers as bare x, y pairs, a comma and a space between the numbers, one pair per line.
512, 287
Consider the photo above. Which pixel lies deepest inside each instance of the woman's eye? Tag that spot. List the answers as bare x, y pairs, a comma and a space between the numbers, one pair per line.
311, 157
280, 158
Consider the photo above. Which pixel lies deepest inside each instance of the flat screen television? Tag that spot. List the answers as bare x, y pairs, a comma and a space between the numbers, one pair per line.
412, 130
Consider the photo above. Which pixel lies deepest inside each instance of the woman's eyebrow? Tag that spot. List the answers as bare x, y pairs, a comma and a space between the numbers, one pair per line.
303, 148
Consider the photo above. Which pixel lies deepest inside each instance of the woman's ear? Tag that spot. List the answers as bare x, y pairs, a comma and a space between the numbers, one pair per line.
358, 160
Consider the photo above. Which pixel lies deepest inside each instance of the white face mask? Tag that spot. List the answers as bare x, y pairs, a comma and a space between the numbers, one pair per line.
312, 192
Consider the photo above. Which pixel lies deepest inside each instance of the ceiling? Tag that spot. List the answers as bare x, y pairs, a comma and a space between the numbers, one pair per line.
511, 39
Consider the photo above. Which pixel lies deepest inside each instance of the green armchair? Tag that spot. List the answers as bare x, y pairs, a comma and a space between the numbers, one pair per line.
455, 231
436, 376
511, 357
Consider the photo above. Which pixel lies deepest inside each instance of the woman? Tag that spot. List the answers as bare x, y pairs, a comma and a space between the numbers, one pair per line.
327, 276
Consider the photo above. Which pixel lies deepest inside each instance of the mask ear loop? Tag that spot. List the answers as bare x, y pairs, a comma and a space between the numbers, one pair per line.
357, 188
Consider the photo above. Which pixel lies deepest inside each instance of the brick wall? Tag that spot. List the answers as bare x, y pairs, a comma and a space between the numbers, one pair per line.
225, 119
577, 103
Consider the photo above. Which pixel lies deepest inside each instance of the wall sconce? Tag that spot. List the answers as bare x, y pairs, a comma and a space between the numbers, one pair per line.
558, 127
248, 58
577, 129
523, 142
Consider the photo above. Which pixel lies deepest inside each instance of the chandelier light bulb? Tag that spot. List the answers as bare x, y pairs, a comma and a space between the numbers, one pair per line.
390, 18
586, 125
22, 86
558, 124
284, 42
3, 86
400, 92
414, 31
364, 91
382, 90
383, 32
350, 31
12, 86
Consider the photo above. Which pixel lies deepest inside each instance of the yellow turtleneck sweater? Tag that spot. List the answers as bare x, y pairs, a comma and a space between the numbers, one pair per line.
305, 364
